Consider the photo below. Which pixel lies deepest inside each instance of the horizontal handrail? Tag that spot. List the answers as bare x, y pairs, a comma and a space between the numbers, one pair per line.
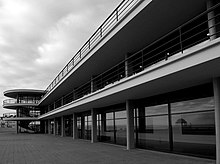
174, 42
15, 101
119, 13
8, 115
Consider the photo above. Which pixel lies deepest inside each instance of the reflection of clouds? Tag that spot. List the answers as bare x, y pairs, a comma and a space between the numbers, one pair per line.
183, 106
193, 105
159, 109
198, 118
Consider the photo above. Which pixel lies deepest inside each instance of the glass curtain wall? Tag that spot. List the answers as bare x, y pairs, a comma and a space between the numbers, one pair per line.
84, 125
58, 126
193, 125
186, 127
152, 129
111, 127
68, 125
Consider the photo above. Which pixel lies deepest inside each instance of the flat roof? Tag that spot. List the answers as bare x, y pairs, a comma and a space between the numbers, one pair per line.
28, 92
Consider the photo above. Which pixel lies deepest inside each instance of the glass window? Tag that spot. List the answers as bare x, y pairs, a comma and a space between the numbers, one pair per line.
109, 115
120, 130
153, 129
156, 110
193, 124
202, 104
120, 114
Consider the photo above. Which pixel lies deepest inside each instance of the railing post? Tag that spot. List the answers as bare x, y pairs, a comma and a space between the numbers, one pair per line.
142, 60
89, 43
92, 84
116, 14
181, 44
211, 21
126, 65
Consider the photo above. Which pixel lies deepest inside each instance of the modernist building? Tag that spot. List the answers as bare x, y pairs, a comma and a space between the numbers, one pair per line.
149, 78
25, 103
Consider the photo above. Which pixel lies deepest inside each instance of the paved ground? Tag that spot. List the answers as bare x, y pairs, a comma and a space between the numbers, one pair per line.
49, 149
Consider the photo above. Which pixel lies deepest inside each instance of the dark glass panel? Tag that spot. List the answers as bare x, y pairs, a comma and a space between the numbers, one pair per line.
153, 129
193, 124
120, 125
109, 133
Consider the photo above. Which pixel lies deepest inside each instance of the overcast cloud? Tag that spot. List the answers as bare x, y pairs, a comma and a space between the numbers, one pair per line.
38, 37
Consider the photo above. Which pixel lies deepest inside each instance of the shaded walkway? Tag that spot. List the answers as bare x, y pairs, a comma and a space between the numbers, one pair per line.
48, 149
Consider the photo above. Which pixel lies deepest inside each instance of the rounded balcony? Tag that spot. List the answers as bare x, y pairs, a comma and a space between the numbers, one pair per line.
14, 103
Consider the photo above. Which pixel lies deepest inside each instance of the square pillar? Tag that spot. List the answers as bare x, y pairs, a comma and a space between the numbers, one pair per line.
94, 126
62, 127
216, 87
130, 124
75, 133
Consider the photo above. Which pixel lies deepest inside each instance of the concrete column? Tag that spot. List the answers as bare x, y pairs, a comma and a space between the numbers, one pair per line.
75, 133
94, 126
54, 126
216, 87
130, 124
211, 22
62, 127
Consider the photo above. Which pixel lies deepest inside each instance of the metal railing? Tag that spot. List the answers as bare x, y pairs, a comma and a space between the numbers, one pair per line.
123, 8
15, 101
190, 34
9, 115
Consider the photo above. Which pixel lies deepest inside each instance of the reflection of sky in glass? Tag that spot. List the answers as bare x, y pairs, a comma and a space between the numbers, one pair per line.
206, 118
120, 114
159, 109
109, 115
193, 105
121, 124
160, 122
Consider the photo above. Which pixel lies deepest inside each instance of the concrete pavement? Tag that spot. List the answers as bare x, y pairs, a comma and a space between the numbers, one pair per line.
49, 149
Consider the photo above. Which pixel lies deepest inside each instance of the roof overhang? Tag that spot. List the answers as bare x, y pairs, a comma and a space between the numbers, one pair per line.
139, 28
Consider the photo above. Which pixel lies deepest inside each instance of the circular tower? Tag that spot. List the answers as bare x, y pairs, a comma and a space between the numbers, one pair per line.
25, 103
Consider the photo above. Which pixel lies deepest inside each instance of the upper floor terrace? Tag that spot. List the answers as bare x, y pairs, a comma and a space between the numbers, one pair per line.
144, 27
22, 97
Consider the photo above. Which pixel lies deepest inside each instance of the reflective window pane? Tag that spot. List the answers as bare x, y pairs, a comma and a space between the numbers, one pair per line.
153, 131
193, 124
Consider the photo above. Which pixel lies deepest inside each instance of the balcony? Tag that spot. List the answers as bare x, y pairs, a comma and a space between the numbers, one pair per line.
13, 103
114, 18
194, 33
14, 117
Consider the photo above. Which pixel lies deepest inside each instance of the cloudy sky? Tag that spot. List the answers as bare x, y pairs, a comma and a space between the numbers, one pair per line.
38, 37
